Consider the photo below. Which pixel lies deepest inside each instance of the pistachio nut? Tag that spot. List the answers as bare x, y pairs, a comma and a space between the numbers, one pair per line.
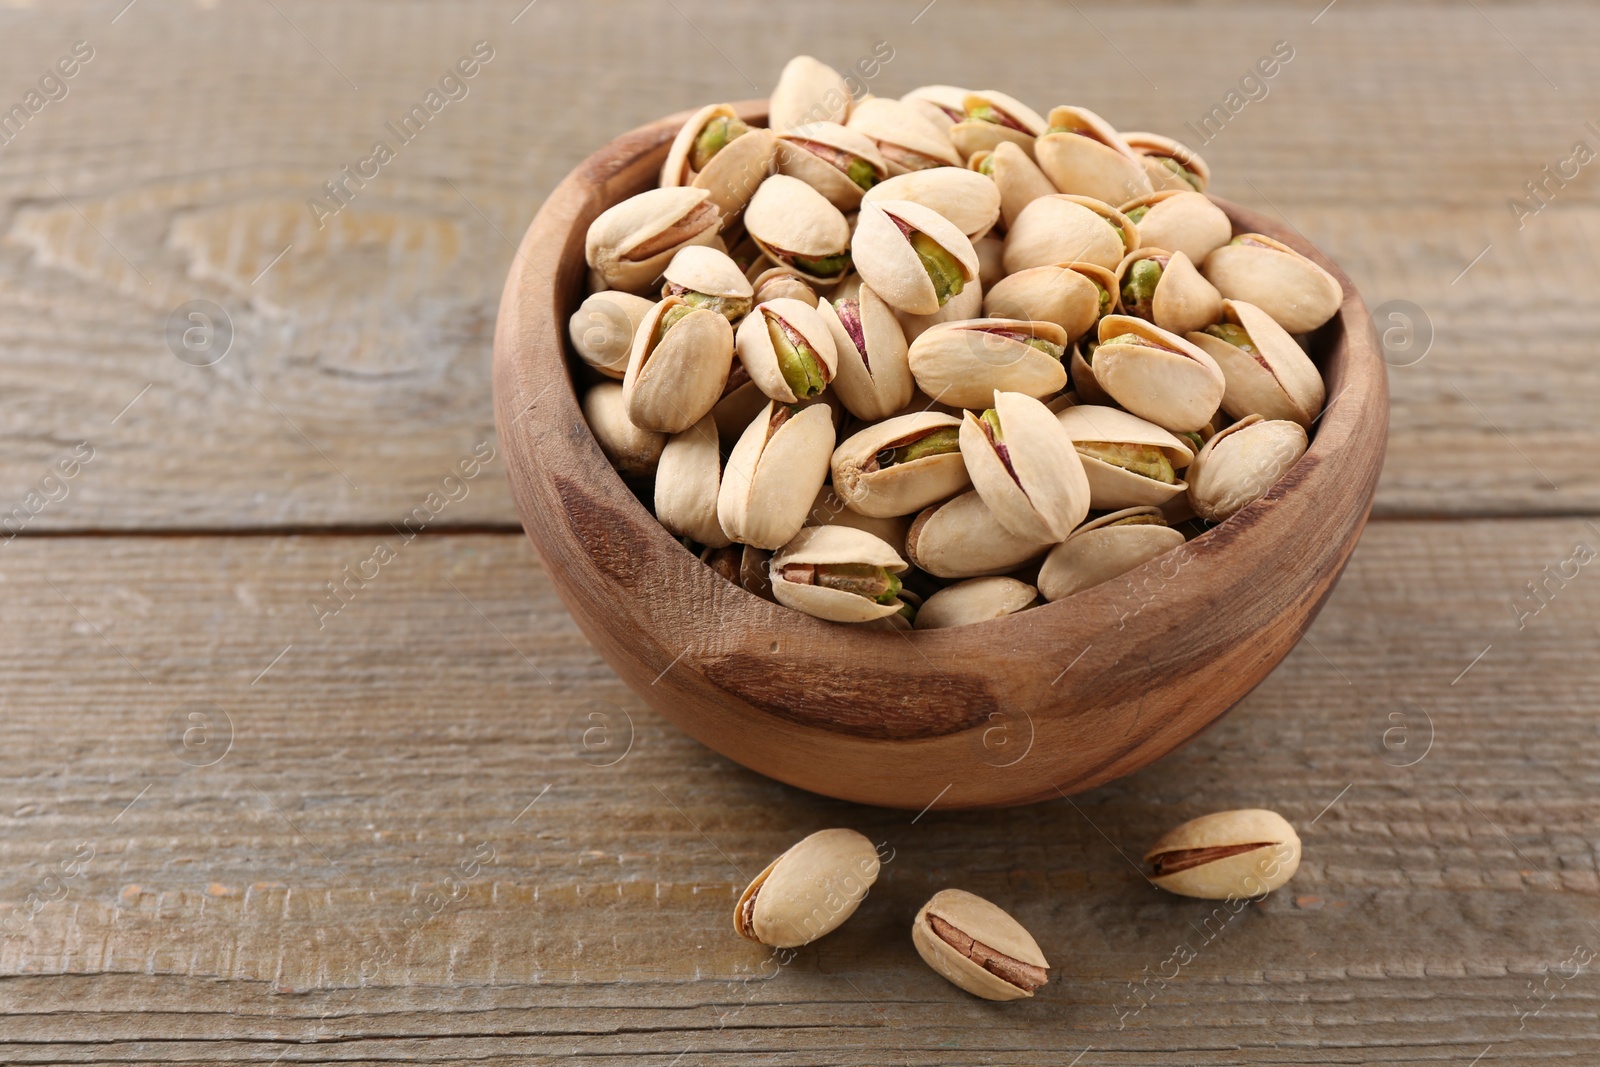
911, 255
1230, 855
1074, 296
808, 90
602, 329
1156, 375
1267, 372
1063, 228
1128, 460
678, 367
631, 243
687, 479
975, 600
943, 105
963, 363
961, 538
978, 947
872, 375
992, 118
1024, 466
1164, 288
906, 138
967, 304
1016, 177
1105, 548
839, 163
902, 620
839, 574
630, 449
964, 197
773, 474
901, 465
787, 349
991, 253
719, 152
1170, 164
741, 399
797, 227
1084, 382
723, 561
776, 283
1184, 222
1259, 270
829, 509
1240, 464
755, 572
1082, 153
808, 891
706, 278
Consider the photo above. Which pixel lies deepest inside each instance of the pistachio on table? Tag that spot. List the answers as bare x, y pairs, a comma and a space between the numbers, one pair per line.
808, 891
602, 329
1240, 464
1064, 228
838, 162
975, 600
901, 465
1165, 288
963, 363
1081, 153
1266, 371
978, 947
719, 152
630, 244
1129, 461
787, 350
797, 227
1180, 221
1230, 855
1105, 548
773, 474
1025, 467
678, 367
838, 573
912, 256
1265, 272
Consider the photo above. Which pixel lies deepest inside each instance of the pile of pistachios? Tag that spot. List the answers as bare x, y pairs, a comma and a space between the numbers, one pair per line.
930, 361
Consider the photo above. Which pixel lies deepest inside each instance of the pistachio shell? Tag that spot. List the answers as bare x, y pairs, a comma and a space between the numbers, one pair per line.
961, 538
823, 545
755, 565
1036, 487
1278, 381
991, 253
1241, 464
1062, 228
699, 269
967, 199
760, 359
829, 509
1017, 178
943, 105
963, 363
1097, 163
988, 925
669, 385
808, 90
777, 283
1155, 148
741, 399
1062, 293
788, 218
899, 488
818, 152
602, 329
1176, 385
1099, 551
629, 448
772, 475
1084, 383
631, 243
972, 135
1252, 873
1275, 278
1112, 487
1186, 222
886, 260
687, 479
974, 600
732, 175
873, 380
808, 891
906, 138
967, 304
1184, 300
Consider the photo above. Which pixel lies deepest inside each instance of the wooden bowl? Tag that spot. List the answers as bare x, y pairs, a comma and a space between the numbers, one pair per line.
1050, 701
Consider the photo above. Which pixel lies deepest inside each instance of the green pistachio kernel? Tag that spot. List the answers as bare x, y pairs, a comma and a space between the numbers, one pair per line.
862, 579
1194, 439
1139, 288
823, 266
861, 172
1105, 298
908, 611
1137, 215
991, 419
670, 318
940, 442
730, 307
943, 269
1089, 348
1168, 163
1124, 339
1233, 334
799, 364
714, 138
986, 168
1147, 460
1049, 348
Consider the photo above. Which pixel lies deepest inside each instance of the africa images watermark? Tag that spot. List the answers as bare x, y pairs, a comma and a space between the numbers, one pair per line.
1553, 178
54, 486
52, 89
1253, 87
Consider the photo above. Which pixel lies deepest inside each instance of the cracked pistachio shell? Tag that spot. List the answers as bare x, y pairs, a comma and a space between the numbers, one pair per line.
670, 384
788, 218
1062, 293
900, 488
808, 90
1212, 862
687, 478
961, 538
988, 925
991, 253
967, 304
1017, 178
629, 448
602, 329
1112, 487
1095, 162
1084, 382
834, 545
760, 359
818, 153
777, 283
964, 363
1240, 464
733, 174
699, 269
829, 509
1064, 228
1183, 300
1020, 126
906, 138
631, 243
886, 260
1277, 381
966, 198
1275, 278
1186, 222
873, 379
1160, 154
1101, 550
1036, 488
943, 105
974, 600
808, 891
773, 474
1166, 380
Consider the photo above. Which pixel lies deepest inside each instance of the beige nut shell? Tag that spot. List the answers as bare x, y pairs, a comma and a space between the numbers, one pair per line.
903, 488
967, 304
834, 544
876, 383
808, 891
1278, 382
1099, 164
1240, 464
808, 90
896, 128
1099, 551
797, 160
710, 271
970, 201
630, 449
1112, 488
1183, 300
1177, 385
1044, 493
754, 345
636, 222
961, 538
963, 363
1062, 293
603, 327
1265, 272
788, 218
670, 384
1180, 221
829, 509
974, 600
772, 476
1064, 228
688, 476
884, 258
982, 921
1154, 147
1249, 874
732, 175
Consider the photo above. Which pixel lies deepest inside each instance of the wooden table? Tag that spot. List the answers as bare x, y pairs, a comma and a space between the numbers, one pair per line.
242, 819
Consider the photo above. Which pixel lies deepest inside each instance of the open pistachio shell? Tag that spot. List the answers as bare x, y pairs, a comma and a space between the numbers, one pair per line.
631, 243
893, 243
872, 376
1071, 295
992, 118
708, 278
1063, 228
1180, 221
1268, 374
1240, 464
943, 105
1025, 467
677, 370
839, 163
1228, 855
741, 158
854, 591
961, 538
1016, 176
963, 363
630, 449
1101, 550
1090, 158
773, 474
1129, 461
797, 227
777, 283
991, 253
906, 138
808, 891
1179, 301
808, 360
687, 479
1155, 374
1275, 278
829, 509
977, 946
901, 465
966, 198
602, 329
808, 90
1170, 164
1084, 383
741, 399
974, 600
967, 304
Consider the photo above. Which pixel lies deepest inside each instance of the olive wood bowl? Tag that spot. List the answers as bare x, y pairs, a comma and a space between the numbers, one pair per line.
1046, 702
